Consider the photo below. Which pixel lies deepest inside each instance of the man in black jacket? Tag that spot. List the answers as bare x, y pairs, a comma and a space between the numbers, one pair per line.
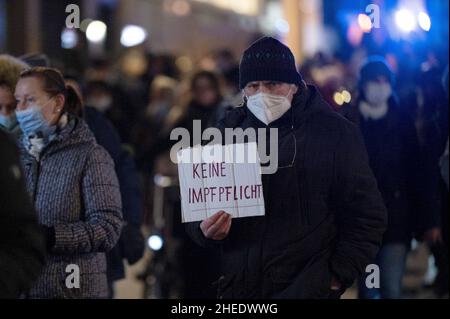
324, 217
22, 241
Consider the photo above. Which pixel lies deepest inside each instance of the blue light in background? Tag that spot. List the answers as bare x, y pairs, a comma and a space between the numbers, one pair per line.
424, 21
2, 25
405, 20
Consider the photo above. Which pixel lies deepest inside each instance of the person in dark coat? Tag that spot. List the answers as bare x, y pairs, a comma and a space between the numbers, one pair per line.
72, 184
324, 217
207, 105
394, 155
204, 103
22, 240
131, 243
431, 118
115, 104
432, 128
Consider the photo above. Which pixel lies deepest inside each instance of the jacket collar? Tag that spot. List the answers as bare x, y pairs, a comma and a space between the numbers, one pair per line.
391, 117
76, 131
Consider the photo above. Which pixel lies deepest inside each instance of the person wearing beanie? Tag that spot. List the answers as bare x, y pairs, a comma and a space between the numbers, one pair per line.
10, 69
392, 145
376, 82
324, 216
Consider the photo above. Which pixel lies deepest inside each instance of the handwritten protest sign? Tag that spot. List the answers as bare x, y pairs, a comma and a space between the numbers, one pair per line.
215, 178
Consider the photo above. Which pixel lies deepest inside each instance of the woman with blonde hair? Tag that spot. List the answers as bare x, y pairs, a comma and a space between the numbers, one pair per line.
10, 69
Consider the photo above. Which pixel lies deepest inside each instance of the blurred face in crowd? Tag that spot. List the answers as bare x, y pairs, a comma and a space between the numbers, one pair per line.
162, 95
161, 100
204, 92
7, 101
100, 99
271, 87
378, 91
30, 93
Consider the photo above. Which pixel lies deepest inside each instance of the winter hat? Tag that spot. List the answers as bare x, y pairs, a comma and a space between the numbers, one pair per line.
268, 59
374, 67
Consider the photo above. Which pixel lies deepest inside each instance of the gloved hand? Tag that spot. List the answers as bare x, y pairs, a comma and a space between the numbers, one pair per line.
132, 243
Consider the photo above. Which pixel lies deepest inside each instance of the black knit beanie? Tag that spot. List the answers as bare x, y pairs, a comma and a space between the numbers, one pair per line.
268, 59
374, 67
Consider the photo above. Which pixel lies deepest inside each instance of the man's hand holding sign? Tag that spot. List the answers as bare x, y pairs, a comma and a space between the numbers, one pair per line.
217, 226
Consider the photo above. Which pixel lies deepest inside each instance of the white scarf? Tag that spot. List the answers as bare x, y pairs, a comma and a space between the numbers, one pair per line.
373, 113
35, 144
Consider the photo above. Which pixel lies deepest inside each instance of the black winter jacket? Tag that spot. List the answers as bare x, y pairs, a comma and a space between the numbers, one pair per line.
395, 159
131, 242
22, 240
324, 216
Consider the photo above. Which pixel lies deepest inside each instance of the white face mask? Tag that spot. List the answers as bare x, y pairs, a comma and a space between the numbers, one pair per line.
268, 107
377, 93
102, 103
8, 121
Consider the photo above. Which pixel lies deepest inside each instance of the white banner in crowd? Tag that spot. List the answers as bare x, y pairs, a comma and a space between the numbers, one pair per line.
216, 177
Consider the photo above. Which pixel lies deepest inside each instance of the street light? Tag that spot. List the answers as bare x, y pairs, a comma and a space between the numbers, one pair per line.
405, 20
132, 35
424, 21
96, 31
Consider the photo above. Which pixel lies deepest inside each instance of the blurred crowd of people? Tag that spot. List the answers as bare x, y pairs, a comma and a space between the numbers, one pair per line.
398, 100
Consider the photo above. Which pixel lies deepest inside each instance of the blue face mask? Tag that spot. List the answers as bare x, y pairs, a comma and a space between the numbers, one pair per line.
32, 122
8, 121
